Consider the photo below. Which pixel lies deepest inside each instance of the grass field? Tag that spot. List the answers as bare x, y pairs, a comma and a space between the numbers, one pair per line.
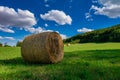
91, 61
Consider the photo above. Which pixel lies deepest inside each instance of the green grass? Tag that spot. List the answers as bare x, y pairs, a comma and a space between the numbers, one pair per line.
91, 61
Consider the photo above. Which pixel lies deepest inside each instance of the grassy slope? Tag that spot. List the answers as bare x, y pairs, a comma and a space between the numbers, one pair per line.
81, 61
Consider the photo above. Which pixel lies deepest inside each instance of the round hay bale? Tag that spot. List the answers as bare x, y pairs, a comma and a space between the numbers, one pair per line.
44, 47
68, 44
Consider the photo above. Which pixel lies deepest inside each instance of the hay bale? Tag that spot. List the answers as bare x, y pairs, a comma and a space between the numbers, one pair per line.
44, 47
68, 44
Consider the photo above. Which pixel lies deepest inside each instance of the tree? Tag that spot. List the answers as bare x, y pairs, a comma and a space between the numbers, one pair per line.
1, 44
6, 45
19, 44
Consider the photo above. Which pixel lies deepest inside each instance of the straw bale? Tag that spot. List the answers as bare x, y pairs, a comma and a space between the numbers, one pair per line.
44, 47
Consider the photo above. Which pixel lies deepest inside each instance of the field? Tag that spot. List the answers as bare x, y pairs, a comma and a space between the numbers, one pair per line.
91, 61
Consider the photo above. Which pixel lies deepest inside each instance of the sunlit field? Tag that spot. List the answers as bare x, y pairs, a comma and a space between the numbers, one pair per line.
90, 61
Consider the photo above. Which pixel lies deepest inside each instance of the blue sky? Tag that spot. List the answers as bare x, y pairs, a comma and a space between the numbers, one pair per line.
19, 18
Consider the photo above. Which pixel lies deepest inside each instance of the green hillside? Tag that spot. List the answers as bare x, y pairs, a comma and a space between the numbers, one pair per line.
111, 34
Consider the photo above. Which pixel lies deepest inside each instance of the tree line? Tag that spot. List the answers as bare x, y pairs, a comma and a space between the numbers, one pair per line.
18, 44
111, 34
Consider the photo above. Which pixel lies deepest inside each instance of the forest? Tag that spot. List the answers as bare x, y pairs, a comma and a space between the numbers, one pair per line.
110, 34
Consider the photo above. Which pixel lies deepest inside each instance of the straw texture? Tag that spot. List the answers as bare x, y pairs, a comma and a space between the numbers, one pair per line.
44, 47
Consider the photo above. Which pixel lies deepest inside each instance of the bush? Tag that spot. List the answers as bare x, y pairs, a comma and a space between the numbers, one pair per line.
19, 44
1, 44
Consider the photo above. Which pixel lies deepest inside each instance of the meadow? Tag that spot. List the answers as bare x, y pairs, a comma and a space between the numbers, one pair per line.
89, 61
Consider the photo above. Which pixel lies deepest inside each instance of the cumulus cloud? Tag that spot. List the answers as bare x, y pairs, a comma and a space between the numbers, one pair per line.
1, 37
8, 38
83, 30
63, 36
110, 8
41, 30
58, 16
6, 30
37, 30
88, 16
94, 1
46, 25
46, 5
11, 18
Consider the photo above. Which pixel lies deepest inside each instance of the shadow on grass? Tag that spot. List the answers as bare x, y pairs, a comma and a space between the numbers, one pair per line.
94, 54
113, 55
17, 60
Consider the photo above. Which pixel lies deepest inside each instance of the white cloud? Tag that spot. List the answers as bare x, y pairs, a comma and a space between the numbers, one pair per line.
8, 38
1, 37
11, 18
83, 30
46, 5
58, 16
88, 16
94, 1
6, 30
110, 8
46, 25
40, 30
37, 30
63, 36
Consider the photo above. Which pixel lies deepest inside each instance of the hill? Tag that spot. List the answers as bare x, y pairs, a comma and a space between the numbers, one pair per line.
110, 34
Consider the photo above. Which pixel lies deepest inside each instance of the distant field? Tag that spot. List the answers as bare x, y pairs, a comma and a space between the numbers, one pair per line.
91, 61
